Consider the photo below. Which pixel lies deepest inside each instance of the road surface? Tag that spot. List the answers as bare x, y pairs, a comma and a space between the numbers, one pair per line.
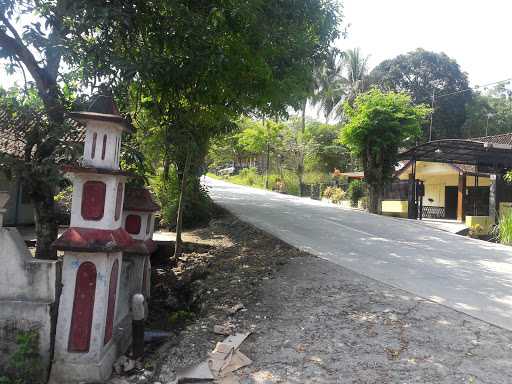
472, 276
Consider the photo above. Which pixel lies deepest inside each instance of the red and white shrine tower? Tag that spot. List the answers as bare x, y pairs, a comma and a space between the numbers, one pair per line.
87, 327
139, 221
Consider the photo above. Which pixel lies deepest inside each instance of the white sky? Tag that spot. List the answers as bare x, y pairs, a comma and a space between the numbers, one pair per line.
475, 33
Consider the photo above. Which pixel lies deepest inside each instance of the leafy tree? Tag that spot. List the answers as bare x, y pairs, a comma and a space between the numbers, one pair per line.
422, 74
489, 113
38, 53
379, 124
189, 65
324, 153
217, 59
44, 146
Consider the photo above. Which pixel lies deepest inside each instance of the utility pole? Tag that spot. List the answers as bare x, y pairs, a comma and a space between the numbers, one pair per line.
432, 114
489, 115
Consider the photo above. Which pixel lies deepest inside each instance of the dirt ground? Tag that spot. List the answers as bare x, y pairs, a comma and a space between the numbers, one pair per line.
315, 322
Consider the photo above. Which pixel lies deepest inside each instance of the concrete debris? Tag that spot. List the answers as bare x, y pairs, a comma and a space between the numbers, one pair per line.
123, 365
234, 309
195, 374
226, 329
220, 365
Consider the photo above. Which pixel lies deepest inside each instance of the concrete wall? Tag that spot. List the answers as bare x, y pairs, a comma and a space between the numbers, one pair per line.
397, 208
480, 225
28, 295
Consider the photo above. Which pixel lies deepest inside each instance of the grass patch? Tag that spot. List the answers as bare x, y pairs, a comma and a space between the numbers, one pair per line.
251, 178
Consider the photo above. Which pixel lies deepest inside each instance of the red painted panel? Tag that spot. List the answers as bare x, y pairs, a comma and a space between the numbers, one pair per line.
93, 200
119, 200
93, 150
83, 308
112, 293
104, 148
132, 225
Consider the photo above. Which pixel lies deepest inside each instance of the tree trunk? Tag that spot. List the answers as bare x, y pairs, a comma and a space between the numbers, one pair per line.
179, 219
46, 227
267, 160
300, 167
167, 165
374, 198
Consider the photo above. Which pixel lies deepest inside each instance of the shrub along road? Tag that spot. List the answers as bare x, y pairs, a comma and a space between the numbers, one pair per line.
468, 275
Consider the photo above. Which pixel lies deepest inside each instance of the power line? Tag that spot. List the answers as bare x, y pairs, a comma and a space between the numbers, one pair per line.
434, 97
470, 89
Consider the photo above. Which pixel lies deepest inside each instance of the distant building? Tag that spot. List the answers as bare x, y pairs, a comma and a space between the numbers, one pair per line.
20, 210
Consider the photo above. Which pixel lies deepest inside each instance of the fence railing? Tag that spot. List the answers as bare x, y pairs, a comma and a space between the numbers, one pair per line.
431, 212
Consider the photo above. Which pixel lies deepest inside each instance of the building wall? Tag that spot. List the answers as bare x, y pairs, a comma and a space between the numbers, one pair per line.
28, 296
436, 177
25, 208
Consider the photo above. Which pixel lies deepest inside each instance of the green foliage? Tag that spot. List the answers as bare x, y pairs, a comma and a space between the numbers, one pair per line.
379, 124
250, 177
254, 136
24, 365
508, 177
503, 231
45, 145
341, 77
489, 113
323, 150
317, 177
355, 192
197, 203
180, 318
420, 73
226, 55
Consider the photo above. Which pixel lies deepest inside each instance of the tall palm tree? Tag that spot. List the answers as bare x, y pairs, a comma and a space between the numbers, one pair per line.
342, 77
329, 83
356, 67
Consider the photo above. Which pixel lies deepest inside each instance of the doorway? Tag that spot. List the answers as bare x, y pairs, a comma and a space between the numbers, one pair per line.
450, 202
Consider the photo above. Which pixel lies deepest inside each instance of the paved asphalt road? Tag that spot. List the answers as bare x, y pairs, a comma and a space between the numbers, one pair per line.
472, 276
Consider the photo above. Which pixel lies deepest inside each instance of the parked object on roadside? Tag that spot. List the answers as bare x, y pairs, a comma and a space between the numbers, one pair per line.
226, 171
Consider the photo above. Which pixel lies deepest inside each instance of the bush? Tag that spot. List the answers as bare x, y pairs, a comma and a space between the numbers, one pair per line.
355, 192
317, 178
24, 365
503, 231
249, 175
63, 201
197, 205
327, 193
336, 195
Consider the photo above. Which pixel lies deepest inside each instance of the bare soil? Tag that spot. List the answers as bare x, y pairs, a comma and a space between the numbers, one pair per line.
311, 321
